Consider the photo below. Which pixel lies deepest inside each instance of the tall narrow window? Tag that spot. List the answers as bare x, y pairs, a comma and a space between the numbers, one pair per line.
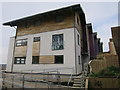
57, 42
79, 60
59, 59
78, 38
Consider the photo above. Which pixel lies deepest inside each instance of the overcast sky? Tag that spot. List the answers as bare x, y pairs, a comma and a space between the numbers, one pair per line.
102, 15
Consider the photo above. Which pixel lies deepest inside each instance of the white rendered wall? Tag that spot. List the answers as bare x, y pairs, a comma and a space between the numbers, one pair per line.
10, 54
45, 49
78, 52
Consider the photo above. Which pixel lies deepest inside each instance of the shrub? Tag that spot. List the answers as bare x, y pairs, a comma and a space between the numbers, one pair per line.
109, 71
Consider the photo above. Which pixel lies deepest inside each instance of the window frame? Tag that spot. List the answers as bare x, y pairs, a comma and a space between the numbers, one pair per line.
20, 60
36, 39
23, 42
37, 61
78, 39
58, 57
79, 62
53, 42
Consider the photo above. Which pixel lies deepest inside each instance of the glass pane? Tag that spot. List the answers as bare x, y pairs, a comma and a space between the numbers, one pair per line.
22, 62
57, 42
19, 41
17, 61
36, 39
22, 59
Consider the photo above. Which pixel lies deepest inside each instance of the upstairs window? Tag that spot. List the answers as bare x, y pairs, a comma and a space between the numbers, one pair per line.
78, 21
57, 42
22, 42
36, 39
59, 59
19, 60
58, 18
78, 38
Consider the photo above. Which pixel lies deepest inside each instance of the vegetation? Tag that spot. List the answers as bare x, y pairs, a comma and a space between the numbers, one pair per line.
110, 71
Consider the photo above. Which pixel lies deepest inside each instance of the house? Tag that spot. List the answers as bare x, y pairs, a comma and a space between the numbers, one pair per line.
116, 39
94, 44
50, 40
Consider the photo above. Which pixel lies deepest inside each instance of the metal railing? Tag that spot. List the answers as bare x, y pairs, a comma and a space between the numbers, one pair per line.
45, 79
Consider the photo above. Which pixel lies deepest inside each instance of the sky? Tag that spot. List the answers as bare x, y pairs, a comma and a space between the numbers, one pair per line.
102, 15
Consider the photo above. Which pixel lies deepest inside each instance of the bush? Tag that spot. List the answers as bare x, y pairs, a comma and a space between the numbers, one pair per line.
110, 71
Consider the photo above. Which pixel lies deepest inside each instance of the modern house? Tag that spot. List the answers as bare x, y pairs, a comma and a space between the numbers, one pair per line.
54, 39
94, 44
116, 39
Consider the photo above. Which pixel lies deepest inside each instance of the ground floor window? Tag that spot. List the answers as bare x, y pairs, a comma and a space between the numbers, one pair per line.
79, 60
59, 59
20, 60
35, 60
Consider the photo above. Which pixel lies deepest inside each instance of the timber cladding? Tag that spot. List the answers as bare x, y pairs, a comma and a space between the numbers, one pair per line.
46, 26
36, 49
47, 59
20, 51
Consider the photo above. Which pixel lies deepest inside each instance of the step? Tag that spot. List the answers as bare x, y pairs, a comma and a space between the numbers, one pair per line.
77, 83
74, 87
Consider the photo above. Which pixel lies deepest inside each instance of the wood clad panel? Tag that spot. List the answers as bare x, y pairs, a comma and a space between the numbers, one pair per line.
20, 51
36, 49
50, 25
46, 59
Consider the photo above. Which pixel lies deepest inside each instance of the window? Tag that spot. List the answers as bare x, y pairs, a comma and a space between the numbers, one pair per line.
35, 60
78, 21
58, 18
79, 60
78, 38
19, 60
59, 59
37, 23
22, 42
36, 39
57, 42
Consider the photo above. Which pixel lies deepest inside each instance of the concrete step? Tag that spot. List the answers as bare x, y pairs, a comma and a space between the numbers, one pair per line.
77, 85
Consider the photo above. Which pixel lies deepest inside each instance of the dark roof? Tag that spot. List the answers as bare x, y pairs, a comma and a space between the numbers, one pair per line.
76, 7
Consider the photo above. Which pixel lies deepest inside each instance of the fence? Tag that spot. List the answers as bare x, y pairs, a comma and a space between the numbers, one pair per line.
108, 60
47, 79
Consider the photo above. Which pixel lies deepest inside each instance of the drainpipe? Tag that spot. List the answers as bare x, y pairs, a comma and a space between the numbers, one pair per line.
13, 48
74, 41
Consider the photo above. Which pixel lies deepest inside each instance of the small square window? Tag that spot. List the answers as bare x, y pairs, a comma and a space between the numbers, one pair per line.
36, 39
35, 60
22, 42
59, 59
19, 60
